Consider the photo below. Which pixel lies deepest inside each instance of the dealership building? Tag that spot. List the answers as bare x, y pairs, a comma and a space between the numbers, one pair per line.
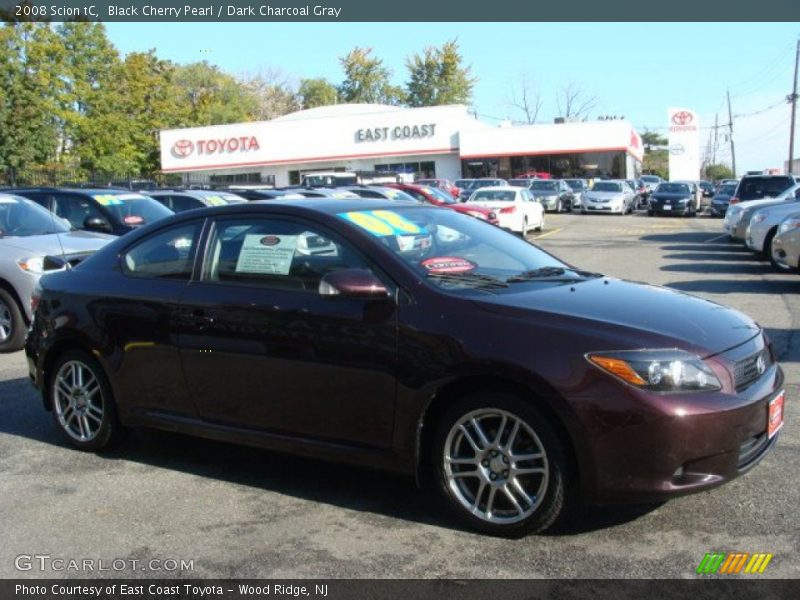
438, 141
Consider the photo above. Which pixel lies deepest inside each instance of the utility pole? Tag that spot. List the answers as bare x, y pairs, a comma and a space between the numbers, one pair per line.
793, 100
714, 149
730, 134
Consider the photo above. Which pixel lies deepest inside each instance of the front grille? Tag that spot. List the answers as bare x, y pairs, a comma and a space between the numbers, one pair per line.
745, 371
752, 449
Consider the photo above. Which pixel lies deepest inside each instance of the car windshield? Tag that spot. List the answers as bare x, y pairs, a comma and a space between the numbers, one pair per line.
650, 179
460, 254
20, 217
752, 188
493, 195
544, 185
132, 209
673, 188
441, 196
575, 184
465, 184
727, 189
399, 195
607, 186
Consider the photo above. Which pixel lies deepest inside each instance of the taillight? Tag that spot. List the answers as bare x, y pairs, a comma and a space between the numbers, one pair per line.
734, 201
508, 209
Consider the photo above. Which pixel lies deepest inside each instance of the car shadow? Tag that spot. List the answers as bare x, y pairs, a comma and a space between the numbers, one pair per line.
345, 486
728, 268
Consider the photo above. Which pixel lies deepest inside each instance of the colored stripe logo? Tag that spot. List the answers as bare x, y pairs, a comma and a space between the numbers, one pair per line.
733, 563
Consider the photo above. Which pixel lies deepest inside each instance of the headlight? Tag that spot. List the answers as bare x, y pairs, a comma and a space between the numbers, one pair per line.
476, 214
758, 218
32, 265
658, 370
683, 201
792, 223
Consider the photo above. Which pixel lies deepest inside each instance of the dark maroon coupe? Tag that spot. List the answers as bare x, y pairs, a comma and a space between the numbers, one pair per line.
408, 338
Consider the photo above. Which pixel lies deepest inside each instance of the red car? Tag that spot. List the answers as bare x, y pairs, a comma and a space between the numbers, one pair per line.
435, 196
441, 184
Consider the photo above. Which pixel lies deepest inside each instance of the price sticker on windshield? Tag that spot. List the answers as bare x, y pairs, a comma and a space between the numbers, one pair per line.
382, 223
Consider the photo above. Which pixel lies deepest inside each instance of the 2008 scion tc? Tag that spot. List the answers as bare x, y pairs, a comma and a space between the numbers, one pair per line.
408, 338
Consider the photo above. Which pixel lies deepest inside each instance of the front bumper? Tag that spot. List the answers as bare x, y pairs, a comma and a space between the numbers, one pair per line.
607, 207
718, 210
677, 444
675, 209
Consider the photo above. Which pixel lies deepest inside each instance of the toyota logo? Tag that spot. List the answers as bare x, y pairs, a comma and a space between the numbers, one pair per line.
676, 149
182, 148
761, 365
683, 117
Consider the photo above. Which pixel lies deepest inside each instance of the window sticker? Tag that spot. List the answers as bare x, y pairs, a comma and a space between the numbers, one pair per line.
448, 265
133, 220
266, 254
108, 199
382, 223
131, 197
216, 201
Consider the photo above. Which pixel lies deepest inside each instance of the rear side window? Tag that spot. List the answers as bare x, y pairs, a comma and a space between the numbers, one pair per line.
168, 254
753, 188
182, 203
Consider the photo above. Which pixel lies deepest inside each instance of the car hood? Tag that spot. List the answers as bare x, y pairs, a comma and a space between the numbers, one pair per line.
71, 242
603, 195
671, 196
753, 205
631, 314
778, 213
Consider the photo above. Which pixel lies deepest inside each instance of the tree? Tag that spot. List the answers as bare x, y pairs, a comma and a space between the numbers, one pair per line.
30, 61
367, 80
656, 162
573, 102
317, 92
651, 139
718, 172
274, 93
437, 77
526, 99
214, 97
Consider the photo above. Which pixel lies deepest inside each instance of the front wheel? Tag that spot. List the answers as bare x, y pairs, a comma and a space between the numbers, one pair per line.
499, 465
82, 403
12, 323
768, 253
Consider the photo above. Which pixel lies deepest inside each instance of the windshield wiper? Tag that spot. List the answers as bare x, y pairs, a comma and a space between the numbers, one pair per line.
476, 280
550, 274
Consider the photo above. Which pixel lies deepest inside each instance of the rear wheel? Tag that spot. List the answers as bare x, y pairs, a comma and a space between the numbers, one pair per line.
499, 465
12, 323
82, 402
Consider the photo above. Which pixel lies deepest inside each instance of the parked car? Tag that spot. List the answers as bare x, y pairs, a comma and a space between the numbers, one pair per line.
445, 185
437, 197
267, 193
757, 187
786, 244
329, 179
579, 187
388, 192
467, 186
637, 195
737, 217
102, 210
674, 199
181, 200
508, 379
697, 193
516, 208
33, 241
763, 226
707, 188
554, 194
719, 203
729, 181
610, 196
651, 182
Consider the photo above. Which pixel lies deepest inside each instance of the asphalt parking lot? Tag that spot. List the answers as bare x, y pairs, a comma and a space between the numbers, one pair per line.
240, 512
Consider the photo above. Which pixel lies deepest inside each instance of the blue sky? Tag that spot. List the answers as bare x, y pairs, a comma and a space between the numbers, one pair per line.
636, 70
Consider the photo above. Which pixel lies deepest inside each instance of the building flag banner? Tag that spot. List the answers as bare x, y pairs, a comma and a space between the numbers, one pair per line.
684, 144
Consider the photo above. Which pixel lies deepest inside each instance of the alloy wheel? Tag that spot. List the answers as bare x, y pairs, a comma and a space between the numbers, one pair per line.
496, 466
78, 401
5, 322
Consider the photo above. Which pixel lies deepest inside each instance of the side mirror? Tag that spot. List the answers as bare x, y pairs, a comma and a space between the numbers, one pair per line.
97, 224
352, 283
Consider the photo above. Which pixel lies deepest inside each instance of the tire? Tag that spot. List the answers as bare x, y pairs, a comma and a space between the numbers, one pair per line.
525, 228
560, 207
541, 224
583, 211
767, 252
512, 513
85, 415
12, 323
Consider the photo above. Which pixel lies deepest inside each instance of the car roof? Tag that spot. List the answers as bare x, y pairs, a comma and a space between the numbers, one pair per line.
501, 188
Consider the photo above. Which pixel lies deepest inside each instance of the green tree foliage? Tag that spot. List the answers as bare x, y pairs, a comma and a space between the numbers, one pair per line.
656, 162
651, 140
30, 57
317, 92
274, 95
214, 97
437, 77
718, 172
367, 80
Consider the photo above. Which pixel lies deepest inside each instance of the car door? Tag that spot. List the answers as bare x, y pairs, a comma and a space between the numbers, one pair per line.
262, 349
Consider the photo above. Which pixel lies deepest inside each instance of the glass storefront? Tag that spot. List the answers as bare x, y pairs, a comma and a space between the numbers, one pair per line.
608, 165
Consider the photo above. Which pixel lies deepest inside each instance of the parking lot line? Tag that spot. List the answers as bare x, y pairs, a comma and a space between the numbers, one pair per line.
544, 235
718, 237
